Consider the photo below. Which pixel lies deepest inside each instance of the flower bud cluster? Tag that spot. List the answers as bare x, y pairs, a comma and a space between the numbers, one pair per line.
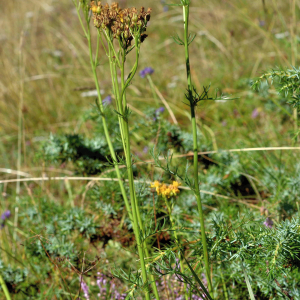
122, 23
166, 191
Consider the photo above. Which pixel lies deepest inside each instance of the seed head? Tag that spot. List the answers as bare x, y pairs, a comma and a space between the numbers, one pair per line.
122, 23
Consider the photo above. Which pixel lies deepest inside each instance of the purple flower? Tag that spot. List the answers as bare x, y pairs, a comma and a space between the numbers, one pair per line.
5, 215
107, 100
262, 23
145, 150
146, 71
255, 113
158, 112
268, 223
102, 283
85, 289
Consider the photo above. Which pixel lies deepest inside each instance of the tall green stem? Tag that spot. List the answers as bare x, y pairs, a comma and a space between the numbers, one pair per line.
122, 129
134, 213
122, 104
116, 89
134, 205
105, 128
195, 146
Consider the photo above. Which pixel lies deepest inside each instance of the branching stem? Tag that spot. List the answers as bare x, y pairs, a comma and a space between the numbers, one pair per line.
195, 147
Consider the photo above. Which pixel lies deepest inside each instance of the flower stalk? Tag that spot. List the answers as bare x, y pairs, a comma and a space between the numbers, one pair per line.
124, 25
195, 146
124, 127
101, 110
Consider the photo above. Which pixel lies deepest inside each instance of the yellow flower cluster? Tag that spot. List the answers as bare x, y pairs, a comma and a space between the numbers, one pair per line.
167, 191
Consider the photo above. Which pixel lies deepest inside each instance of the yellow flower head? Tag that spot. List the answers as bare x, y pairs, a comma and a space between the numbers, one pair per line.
176, 184
156, 184
167, 191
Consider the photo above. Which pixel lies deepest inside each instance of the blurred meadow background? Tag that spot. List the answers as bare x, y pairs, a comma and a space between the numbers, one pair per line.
49, 128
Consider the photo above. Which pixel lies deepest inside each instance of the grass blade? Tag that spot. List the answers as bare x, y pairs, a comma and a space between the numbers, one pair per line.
4, 288
198, 280
248, 283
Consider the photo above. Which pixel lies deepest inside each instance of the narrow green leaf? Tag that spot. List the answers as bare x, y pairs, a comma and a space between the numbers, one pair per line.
4, 288
248, 283
198, 280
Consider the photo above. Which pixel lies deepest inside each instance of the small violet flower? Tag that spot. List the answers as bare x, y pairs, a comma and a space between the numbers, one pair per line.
268, 223
107, 100
158, 112
85, 289
146, 71
3, 217
255, 113
146, 149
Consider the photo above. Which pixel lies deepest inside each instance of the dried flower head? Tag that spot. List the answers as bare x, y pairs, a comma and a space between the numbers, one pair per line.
123, 24
166, 191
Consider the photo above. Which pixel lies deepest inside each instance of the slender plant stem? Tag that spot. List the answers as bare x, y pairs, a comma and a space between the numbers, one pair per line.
97, 48
116, 87
155, 220
112, 47
131, 74
178, 243
110, 145
133, 205
122, 104
4, 288
195, 146
125, 136
224, 286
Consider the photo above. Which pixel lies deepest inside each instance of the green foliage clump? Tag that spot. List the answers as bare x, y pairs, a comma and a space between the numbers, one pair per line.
287, 83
